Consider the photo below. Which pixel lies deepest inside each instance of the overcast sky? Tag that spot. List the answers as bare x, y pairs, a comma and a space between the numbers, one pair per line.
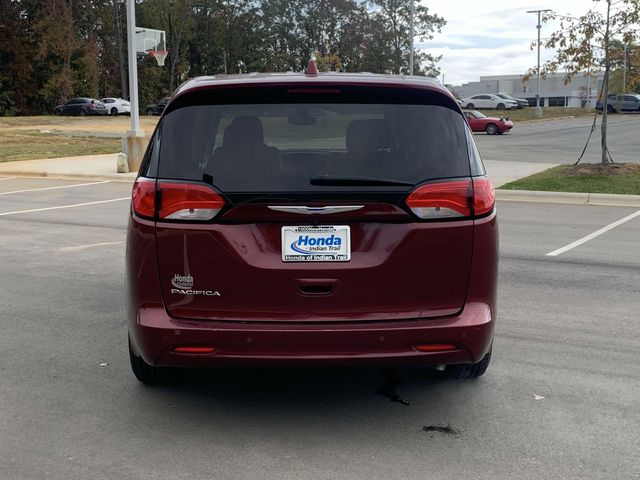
491, 38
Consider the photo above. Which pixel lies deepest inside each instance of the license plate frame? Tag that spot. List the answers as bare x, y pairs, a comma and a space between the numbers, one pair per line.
320, 245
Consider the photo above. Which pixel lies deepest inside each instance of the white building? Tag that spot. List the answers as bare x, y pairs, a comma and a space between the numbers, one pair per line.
582, 90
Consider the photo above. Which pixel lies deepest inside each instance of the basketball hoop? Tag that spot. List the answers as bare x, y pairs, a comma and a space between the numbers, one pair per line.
159, 55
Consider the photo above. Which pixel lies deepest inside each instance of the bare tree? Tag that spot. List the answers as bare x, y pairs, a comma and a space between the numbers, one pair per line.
585, 42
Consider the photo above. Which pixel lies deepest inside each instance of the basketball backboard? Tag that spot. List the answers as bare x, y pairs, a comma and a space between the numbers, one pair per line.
148, 40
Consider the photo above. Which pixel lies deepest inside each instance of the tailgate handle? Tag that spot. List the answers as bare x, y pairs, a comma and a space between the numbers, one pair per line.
316, 286
305, 210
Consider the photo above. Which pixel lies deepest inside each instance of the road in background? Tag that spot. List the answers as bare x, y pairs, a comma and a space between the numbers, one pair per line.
562, 141
560, 399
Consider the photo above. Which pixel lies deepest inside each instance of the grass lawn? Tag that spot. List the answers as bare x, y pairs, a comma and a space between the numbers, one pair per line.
50, 136
108, 123
547, 112
31, 144
587, 178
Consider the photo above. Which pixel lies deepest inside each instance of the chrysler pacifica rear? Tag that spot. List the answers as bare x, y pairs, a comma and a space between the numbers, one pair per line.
292, 219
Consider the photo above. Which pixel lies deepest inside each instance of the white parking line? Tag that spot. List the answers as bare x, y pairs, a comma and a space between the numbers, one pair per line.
91, 245
593, 235
7, 178
64, 206
54, 188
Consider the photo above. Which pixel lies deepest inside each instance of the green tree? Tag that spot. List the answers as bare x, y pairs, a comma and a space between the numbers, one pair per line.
390, 24
16, 68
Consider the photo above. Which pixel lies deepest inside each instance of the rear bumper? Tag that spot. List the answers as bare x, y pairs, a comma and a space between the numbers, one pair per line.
155, 335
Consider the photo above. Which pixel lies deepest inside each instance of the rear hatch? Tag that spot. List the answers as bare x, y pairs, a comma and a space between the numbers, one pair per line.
283, 204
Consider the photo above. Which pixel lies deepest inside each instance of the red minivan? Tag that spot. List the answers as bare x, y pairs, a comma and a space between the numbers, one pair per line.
311, 219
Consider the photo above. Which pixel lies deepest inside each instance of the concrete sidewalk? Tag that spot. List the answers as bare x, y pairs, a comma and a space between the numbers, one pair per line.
103, 167
505, 172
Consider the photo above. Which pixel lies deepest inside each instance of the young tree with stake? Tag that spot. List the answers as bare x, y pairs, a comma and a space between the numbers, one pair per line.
584, 42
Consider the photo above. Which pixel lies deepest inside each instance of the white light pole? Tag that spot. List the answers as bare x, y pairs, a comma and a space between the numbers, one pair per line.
624, 70
135, 137
413, 13
538, 111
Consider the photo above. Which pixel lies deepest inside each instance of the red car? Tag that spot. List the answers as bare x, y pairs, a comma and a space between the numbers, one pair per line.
479, 122
305, 219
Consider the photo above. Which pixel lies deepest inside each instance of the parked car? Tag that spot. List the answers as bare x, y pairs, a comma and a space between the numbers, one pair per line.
479, 122
81, 106
488, 100
117, 106
629, 102
158, 107
521, 102
298, 219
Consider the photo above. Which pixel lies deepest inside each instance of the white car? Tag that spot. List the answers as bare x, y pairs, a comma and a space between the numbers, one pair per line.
488, 100
116, 106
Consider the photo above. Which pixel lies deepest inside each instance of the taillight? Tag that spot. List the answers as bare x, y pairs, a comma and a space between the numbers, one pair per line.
143, 197
186, 201
452, 199
442, 200
175, 201
484, 196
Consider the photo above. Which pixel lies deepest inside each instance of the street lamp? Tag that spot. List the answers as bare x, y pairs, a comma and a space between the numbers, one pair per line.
538, 111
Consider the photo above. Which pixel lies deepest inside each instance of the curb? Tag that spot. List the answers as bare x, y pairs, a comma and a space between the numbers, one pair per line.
113, 177
569, 198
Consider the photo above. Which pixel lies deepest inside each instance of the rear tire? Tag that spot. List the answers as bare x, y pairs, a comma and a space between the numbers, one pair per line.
150, 111
501, 106
471, 106
114, 111
610, 109
491, 129
148, 374
83, 112
470, 370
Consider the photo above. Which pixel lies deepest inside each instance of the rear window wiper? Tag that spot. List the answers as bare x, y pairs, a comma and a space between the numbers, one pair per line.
339, 181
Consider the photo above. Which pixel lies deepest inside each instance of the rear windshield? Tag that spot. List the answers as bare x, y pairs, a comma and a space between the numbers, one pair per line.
271, 147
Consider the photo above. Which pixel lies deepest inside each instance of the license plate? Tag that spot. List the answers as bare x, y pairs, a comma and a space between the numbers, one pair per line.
316, 244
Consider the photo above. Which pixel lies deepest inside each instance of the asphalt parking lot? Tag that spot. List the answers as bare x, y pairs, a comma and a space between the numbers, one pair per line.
561, 398
563, 140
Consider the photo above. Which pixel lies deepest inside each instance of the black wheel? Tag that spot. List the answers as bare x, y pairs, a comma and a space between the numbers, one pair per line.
500, 106
114, 111
610, 109
148, 374
491, 129
57, 111
83, 112
150, 111
471, 106
470, 370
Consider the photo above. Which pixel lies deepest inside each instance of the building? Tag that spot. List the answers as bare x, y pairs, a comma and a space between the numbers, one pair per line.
582, 90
